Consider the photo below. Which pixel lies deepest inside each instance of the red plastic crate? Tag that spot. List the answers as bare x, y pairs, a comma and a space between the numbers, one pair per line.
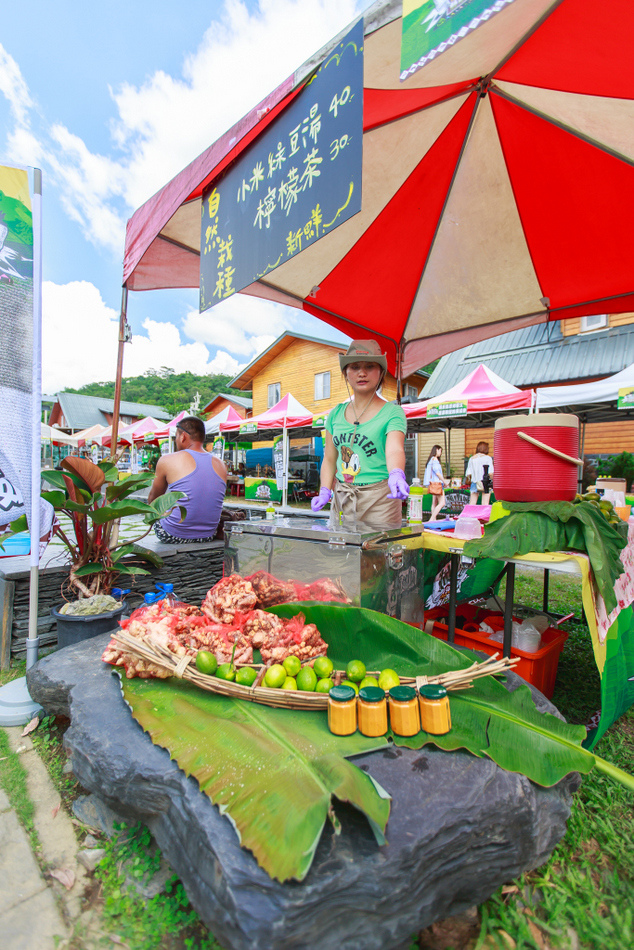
539, 668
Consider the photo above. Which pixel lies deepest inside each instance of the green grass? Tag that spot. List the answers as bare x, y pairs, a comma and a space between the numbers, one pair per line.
16, 670
165, 921
584, 895
13, 781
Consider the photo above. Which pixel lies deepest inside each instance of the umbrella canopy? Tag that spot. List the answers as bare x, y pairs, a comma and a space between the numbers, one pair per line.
288, 413
482, 391
497, 191
228, 414
50, 434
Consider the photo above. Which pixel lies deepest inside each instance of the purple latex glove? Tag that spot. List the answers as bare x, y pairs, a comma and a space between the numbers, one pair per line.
398, 486
321, 499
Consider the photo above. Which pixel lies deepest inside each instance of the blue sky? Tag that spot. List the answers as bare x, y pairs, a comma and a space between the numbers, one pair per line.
111, 100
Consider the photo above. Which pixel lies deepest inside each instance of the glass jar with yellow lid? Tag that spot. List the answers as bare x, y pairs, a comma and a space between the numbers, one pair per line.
404, 712
342, 710
435, 715
372, 711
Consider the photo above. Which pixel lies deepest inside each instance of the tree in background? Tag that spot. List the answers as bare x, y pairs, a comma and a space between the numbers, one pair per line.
163, 387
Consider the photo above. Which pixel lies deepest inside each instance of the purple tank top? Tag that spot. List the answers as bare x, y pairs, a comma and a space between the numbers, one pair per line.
205, 492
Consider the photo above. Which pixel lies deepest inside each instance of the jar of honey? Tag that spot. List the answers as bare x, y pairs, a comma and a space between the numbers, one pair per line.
342, 710
372, 711
435, 715
404, 713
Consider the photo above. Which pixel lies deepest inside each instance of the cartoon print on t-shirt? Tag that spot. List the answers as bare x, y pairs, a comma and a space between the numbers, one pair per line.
350, 464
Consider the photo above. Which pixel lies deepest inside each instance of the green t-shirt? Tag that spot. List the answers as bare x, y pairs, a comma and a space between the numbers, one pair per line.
361, 449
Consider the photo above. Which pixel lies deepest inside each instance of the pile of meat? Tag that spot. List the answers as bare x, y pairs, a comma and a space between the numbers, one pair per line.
231, 614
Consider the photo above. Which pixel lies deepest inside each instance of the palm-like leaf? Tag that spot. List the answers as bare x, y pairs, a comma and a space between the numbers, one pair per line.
486, 719
271, 771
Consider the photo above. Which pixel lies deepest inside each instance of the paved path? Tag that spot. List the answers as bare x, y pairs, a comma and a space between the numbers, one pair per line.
34, 908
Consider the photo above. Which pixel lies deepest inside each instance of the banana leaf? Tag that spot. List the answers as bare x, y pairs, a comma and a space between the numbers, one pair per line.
273, 772
486, 719
558, 526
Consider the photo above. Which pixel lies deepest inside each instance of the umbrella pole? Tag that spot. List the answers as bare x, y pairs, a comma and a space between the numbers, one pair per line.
284, 469
124, 336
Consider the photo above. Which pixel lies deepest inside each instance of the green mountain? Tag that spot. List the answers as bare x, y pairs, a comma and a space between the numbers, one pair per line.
162, 387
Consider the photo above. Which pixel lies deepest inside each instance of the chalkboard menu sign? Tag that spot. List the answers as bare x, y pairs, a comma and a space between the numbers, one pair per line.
294, 184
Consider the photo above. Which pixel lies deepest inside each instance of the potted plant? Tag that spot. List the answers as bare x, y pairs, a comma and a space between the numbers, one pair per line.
95, 500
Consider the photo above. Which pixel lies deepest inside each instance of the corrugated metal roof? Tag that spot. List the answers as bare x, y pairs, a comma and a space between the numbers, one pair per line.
83, 411
539, 356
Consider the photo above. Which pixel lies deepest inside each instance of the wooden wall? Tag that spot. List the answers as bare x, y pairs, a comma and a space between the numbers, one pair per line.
295, 368
457, 450
572, 326
221, 404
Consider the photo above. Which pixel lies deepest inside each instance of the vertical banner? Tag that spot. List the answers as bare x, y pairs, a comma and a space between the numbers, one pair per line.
278, 461
219, 448
17, 399
432, 26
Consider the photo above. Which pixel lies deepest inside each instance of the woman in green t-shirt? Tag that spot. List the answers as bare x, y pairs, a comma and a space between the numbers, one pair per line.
364, 454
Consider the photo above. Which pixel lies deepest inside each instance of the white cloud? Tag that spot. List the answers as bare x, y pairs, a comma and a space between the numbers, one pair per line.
166, 122
14, 88
79, 341
224, 363
241, 324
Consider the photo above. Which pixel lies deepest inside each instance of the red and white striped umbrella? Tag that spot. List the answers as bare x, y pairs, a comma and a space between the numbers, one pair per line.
497, 191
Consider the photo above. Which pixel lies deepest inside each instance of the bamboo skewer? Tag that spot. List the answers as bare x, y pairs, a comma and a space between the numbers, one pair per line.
184, 667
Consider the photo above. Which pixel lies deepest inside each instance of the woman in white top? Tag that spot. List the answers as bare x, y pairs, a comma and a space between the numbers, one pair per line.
434, 473
480, 470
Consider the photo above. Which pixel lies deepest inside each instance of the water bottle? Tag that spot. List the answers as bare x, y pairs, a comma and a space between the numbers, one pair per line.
163, 592
415, 502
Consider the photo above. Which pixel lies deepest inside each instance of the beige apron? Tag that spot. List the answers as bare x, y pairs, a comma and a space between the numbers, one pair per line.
367, 503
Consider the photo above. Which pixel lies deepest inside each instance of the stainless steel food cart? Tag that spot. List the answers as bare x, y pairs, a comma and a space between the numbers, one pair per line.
373, 567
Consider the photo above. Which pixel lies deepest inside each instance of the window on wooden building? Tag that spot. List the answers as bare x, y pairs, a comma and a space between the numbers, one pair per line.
274, 394
322, 385
596, 322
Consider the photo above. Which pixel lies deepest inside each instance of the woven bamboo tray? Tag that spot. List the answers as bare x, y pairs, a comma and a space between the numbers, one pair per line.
185, 668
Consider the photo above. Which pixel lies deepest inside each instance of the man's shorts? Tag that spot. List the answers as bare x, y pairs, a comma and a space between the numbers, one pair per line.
166, 538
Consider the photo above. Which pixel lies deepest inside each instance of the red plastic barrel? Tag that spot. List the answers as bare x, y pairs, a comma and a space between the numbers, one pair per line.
525, 472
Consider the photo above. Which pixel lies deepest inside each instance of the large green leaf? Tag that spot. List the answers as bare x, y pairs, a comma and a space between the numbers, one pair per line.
127, 486
273, 772
151, 556
119, 509
557, 526
164, 504
486, 719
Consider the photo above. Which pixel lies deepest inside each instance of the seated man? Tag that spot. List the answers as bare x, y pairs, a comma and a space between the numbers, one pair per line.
201, 476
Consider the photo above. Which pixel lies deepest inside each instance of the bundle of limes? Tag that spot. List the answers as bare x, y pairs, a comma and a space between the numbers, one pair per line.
290, 674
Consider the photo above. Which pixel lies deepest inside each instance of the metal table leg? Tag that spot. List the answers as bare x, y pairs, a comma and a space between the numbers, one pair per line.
453, 597
508, 609
546, 584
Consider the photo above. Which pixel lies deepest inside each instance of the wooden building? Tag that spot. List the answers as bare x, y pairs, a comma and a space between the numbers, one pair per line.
309, 368
242, 405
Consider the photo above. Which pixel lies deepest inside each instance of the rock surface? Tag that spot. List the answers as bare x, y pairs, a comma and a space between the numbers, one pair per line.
459, 827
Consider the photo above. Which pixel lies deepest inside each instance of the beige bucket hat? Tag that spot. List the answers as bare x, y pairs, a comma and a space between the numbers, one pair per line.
363, 351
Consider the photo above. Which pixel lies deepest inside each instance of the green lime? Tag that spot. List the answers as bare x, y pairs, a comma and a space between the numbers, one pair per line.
292, 665
307, 679
355, 671
289, 683
368, 681
324, 685
206, 662
246, 676
275, 676
355, 686
388, 679
226, 671
323, 667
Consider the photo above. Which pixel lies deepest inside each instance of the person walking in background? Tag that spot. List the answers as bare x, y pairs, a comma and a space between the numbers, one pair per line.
480, 470
434, 480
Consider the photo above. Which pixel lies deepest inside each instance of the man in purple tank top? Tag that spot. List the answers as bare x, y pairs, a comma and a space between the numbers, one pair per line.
200, 476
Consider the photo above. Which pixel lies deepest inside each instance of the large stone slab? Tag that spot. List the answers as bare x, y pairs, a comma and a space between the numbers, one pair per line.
459, 827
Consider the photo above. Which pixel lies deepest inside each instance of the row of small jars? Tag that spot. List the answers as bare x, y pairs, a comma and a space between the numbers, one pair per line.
408, 713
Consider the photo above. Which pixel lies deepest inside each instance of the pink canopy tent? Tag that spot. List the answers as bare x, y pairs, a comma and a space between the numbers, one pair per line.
487, 176
165, 429
90, 434
135, 432
286, 414
228, 414
482, 391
